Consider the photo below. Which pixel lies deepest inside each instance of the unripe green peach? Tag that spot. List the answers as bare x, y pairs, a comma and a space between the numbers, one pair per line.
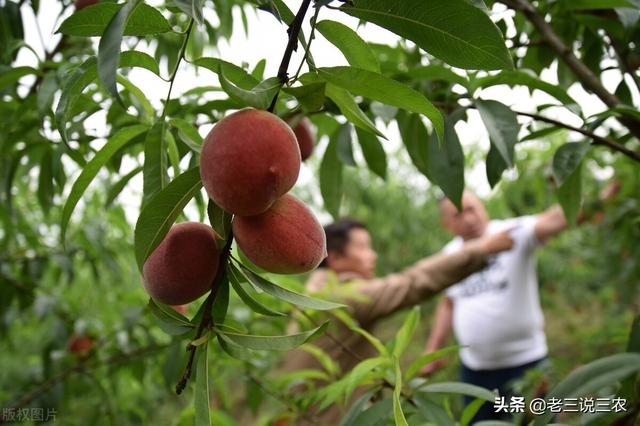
286, 239
248, 160
183, 266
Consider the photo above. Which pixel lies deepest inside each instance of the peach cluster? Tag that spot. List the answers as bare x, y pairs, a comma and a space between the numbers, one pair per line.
248, 163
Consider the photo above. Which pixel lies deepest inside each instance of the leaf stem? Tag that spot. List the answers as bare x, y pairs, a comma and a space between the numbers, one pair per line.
172, 77
314, 20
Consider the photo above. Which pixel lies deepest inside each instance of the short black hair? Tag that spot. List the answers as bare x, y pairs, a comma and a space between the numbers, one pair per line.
337, 234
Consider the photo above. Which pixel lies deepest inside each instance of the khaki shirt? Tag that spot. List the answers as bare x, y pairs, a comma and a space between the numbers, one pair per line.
371, 300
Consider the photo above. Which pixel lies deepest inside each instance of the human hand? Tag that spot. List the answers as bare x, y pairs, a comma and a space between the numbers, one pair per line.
496, 243
432, 367
610, 191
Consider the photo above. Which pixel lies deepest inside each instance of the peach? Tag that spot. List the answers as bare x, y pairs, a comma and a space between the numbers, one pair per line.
81, 4
183, 266
304, 134
286, 239
181, 309
80, 345
248, 160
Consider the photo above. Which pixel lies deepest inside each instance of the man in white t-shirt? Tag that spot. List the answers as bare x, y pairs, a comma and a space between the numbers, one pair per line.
495, 313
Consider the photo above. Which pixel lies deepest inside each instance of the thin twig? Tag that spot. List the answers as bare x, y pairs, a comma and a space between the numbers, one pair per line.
294, 30
588, 79
172, 77
206, 322
313, 21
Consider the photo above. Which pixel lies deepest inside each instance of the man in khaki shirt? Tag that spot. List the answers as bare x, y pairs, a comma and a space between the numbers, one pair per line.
351, 261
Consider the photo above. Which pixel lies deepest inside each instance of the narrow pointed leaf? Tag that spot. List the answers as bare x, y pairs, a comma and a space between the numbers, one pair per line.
380, 88
161, 212
287, 295
353, 47
272, 343
455, 31
201, 393
90, 170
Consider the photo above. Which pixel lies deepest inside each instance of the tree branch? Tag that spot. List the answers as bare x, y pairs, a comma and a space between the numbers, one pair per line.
597, 140
293, 31
584, 74
206, 322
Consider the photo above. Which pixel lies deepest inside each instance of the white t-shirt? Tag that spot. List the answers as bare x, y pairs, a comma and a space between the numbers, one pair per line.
496, 311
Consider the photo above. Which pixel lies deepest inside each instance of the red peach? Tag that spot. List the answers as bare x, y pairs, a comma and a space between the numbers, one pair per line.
248, 160
286, 239
183, 266
304, 134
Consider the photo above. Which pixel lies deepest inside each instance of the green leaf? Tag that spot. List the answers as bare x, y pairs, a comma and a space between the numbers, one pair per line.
350, 109
238, 76
380, 88
271, 343
192, 8
188, 133
594, 4
201, 392
90, 170
445, 163
109, 47
219, 219
502, 125
221, 304
570, 195
415, 137
398, 415
633, 344
406, 332
363, 370
311, 96
470, 411
14, 74
522, 78
287, 295
117, 187
154, 173
331, 177
161, 211
46, 92
260, 97
235, 278
495, 166
356, 409
93, 20
455, 30
567, 159
593, 377
437, 72
459, 388
73, 86
373, 152
45, 181
355, 49
434, 412
344, 147
135, 58
169, 320
416, 365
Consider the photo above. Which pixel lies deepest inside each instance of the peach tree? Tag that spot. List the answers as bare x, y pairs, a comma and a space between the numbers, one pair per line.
76, 112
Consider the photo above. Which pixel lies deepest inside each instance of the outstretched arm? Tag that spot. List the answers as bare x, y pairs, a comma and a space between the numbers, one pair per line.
442, 325
389, 294
553, 221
